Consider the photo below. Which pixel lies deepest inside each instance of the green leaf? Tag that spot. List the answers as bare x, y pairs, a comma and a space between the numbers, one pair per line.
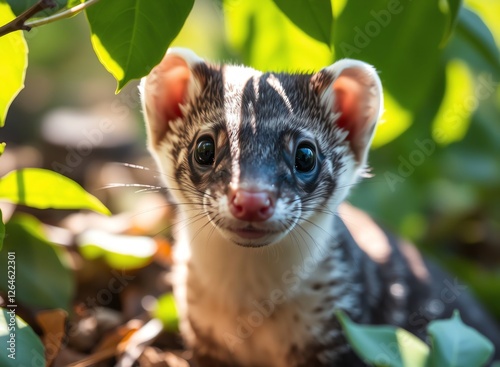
480, 279
2, 230
18, 6
166, 311
384, 345
13, 63
454, 116
268, 40
2, 148
473, 30
377, 33
41, 278
27, 348
454, 344
73, 3
452, 8
119, 251
42, 189
130, 37
312, 16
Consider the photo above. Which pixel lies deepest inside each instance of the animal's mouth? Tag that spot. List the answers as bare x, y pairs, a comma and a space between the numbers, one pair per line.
250, 233
253, 234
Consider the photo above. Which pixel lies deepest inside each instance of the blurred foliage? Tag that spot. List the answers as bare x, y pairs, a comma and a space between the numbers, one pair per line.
12, 68
118, 251
435, 157
267, 40
166, 311
452, 344
53, 285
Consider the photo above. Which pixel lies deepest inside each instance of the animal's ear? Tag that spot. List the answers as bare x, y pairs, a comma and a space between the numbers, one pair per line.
351, 89
170, 85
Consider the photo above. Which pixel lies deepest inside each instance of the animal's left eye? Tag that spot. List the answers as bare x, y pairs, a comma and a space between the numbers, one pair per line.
204, 152
305, 157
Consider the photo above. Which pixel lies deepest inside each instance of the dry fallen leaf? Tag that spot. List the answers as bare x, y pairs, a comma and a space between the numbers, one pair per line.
52, 323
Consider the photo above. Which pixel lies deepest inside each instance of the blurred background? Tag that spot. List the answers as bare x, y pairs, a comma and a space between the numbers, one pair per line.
435, 161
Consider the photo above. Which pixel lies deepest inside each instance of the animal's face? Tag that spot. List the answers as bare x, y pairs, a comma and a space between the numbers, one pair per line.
258, 155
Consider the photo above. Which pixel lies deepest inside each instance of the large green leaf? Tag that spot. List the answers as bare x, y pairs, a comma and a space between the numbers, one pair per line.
385, 345
13, 63
452, 8
474, 33
42, 189
130, 37
41, 277
269, 41
455, 344
400, 38
312, 16
20, 345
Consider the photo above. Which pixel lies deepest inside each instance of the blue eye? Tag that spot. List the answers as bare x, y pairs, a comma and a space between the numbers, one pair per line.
204, 152
305, 158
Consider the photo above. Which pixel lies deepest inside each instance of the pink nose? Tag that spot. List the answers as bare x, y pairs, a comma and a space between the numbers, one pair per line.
251, 206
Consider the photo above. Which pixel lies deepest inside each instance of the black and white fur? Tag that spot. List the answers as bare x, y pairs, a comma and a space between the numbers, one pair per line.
268, 300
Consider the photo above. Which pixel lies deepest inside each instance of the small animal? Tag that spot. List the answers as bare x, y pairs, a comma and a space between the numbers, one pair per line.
258, 166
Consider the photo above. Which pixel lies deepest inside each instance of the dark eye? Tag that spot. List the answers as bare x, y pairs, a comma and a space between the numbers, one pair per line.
305, 157
204, 152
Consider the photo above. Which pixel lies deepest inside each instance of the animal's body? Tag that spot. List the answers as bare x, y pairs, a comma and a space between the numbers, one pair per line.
258, 165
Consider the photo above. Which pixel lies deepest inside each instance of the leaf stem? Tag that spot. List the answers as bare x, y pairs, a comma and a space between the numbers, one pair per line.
62, 15
19, 23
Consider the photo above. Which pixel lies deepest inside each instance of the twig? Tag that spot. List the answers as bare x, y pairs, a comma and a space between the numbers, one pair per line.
18, 23
64, 14
21, 22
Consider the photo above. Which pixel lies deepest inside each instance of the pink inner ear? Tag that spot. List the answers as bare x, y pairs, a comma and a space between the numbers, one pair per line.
167, 87
349, 103
174, 77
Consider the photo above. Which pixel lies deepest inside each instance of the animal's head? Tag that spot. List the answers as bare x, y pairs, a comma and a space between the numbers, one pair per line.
259, 154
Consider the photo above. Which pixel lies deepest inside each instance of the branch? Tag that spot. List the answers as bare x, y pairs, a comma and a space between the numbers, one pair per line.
19, 23
64, 14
